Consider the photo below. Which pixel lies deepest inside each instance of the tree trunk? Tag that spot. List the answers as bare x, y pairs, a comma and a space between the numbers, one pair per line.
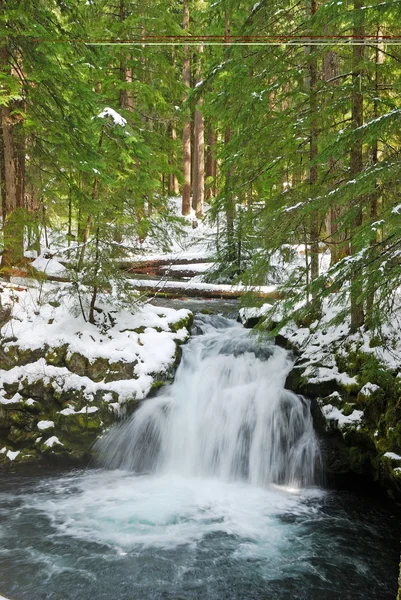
186, 141
229, 199
374, 198
199, 150
13, 167
313, 150
173, 188
211, 163
337, 240
356, 165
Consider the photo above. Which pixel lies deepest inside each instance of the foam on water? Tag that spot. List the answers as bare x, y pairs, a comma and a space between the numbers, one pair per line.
125, 511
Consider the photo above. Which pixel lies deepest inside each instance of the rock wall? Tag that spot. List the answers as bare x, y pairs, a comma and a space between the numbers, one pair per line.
55, 402
356, 405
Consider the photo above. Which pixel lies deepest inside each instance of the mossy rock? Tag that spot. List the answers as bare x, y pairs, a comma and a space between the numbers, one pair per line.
100, 396
41, 389
22, 418
184, 323
298, 383
12, 356
157, 385
77, 363
97, 369
120, 371
32, 406
81, 428
22, 437
57, 356
11, 388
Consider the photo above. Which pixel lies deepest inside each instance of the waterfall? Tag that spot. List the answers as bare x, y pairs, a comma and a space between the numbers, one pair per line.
227, 415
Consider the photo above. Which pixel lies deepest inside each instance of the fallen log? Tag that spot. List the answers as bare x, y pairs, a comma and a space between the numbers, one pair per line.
177, 289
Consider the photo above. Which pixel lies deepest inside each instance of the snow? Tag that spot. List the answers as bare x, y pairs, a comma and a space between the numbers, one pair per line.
87, 410
202, 287
117, 118
36, 324
392, 456
42, 425
12, 455
50, 266
334, 414
16, 399
192, 267
369, 389
52, 442
291, 208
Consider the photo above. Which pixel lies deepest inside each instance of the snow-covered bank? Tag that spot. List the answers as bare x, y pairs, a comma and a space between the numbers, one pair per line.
355, 381
58, 370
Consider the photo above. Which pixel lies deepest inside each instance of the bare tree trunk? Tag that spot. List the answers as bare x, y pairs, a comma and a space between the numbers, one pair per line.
337, 240
86, 232
199, 150
211, 163
356, 164
186, 190
13, 161
173, 187
313, 150
374, 198
95, 286
229, 199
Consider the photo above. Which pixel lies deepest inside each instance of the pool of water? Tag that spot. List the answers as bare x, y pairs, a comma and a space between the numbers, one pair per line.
98, 534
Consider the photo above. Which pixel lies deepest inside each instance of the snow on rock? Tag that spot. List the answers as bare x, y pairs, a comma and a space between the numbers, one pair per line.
42, 425
16, 399
369, 389
332, 413
55, 365
12, 455
392, 456
52, 441
87, 410
36, 326
321, 374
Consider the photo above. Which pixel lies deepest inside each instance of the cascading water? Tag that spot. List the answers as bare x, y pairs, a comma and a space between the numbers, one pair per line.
209, 500
227, 416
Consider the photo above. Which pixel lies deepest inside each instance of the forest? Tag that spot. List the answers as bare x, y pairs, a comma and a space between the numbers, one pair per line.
282, 119
200, 299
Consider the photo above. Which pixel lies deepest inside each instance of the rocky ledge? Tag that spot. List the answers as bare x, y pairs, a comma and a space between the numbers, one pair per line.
356, 405
63, 382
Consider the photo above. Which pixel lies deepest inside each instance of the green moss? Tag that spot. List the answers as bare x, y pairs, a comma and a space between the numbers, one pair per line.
77, 363
157, 384
348, 408
57, 356
120, 370
98, 369
184, 323
140, 330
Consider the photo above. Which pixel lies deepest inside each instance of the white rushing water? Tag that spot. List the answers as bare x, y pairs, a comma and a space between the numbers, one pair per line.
226, 416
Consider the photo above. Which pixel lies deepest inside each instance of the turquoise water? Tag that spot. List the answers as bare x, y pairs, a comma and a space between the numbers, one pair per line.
113, 535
